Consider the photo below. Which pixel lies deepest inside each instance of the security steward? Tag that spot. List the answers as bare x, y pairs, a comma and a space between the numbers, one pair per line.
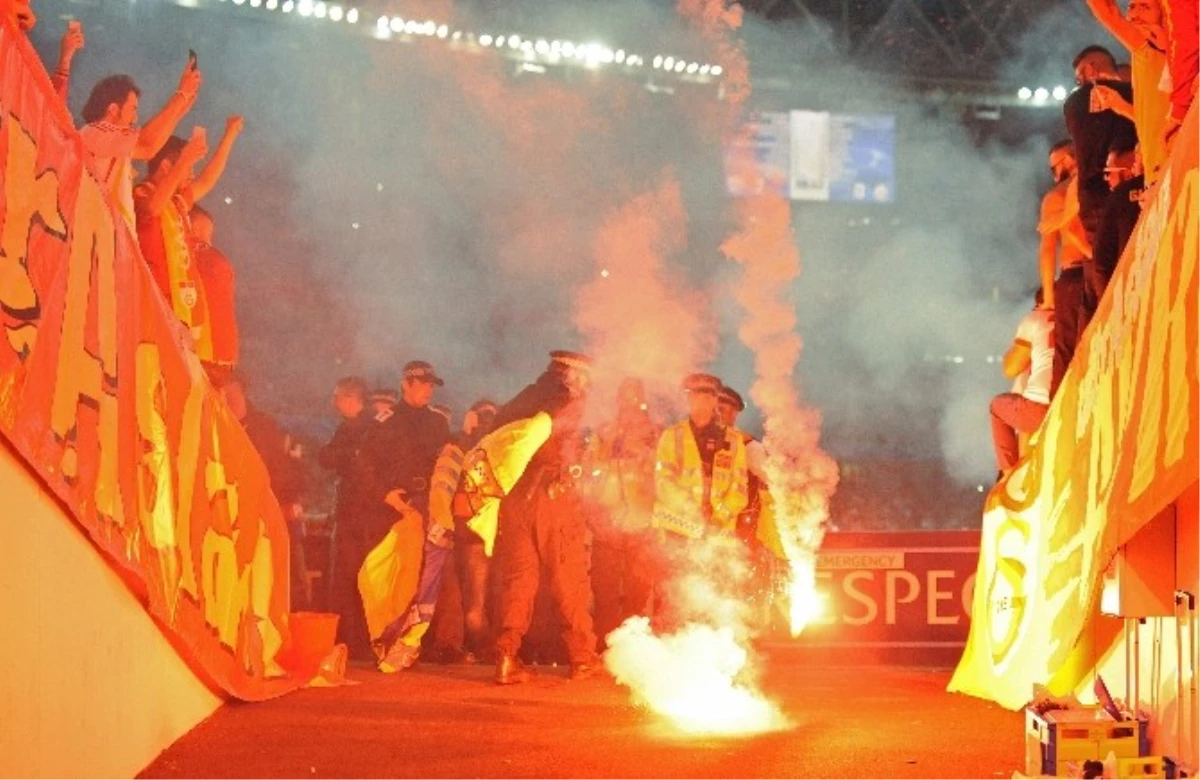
401, 449
542, 525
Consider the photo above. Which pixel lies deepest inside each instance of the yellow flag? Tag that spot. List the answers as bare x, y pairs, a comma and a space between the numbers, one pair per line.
495, 464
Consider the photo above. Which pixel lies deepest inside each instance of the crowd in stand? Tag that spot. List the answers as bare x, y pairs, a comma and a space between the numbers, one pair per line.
173, 231
1120, 135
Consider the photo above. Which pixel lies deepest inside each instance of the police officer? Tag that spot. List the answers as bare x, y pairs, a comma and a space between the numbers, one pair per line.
701, 478
383, 401
700, 486
729, 406
760, 589
542, 524
401, 449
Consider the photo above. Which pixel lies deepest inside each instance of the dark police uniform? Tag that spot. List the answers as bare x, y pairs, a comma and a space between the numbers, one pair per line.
542, 526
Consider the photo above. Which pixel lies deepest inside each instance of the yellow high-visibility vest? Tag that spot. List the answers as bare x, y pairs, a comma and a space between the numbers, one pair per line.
621, 483
679, 483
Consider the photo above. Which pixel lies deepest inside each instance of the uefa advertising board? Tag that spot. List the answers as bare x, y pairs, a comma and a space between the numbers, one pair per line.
908, 590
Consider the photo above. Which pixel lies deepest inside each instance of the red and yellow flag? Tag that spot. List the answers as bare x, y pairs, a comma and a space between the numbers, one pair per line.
102, 394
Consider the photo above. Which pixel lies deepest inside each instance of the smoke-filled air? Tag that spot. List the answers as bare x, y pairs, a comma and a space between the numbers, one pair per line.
398, 197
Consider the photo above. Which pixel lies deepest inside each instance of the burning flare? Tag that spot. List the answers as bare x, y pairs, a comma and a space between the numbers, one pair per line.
700, 677
693, 677
806, 603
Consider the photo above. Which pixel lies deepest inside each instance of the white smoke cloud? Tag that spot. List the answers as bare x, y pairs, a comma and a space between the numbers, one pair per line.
699, 672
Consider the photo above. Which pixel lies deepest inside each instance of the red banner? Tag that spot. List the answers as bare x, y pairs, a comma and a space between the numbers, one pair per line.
102, 394
895, 590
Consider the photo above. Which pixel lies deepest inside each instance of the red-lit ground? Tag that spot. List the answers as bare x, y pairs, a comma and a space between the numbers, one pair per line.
451, 721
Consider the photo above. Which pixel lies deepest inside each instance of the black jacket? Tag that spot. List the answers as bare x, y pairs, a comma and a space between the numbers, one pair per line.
549, 394
401, 450
343, 455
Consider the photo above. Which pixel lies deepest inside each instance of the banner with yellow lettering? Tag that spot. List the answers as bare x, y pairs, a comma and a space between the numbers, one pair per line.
1119, 444
104, 398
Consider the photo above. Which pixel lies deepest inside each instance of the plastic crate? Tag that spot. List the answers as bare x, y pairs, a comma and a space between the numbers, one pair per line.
1061, 737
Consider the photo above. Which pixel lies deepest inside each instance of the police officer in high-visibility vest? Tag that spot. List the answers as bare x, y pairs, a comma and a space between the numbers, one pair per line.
729, 406
760, 557
700, 471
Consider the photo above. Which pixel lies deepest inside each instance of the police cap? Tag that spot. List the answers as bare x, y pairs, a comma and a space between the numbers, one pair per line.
421, 371
730, 396
569, 359
702, 383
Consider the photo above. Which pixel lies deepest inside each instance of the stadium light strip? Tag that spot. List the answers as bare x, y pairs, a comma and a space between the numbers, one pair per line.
523, 48
1042, 94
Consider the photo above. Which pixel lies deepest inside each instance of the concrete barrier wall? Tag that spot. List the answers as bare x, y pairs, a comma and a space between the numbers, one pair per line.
89, 686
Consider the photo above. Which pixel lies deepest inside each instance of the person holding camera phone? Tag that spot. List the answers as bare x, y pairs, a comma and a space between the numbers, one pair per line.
113, 138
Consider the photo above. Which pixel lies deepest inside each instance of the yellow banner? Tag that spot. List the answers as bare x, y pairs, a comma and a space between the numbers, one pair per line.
103, 396
1119, 444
